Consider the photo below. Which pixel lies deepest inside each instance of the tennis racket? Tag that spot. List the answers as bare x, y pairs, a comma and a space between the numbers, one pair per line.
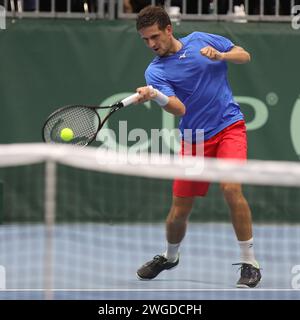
82, 122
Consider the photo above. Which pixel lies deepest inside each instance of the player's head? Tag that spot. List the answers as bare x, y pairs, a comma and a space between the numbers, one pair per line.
154, 26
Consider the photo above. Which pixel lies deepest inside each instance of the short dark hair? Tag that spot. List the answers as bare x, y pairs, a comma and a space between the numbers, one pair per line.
151, 15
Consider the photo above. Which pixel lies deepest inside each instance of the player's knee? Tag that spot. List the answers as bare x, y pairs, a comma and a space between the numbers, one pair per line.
182, 213
231, 190
181, 208
177, 218
179, 213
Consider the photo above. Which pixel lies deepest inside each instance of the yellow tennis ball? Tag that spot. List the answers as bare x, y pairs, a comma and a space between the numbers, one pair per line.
67, 134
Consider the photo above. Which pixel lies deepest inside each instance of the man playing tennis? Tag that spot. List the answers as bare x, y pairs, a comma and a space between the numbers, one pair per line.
188, 78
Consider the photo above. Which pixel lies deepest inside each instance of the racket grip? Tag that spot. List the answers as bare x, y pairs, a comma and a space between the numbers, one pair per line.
129, 100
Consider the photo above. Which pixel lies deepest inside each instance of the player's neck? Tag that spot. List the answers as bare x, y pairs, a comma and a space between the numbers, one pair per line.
175, 46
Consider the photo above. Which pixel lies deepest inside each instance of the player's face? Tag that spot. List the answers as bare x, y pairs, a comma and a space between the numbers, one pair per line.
160, 41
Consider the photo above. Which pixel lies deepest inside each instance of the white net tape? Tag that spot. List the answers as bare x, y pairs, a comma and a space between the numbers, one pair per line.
154, 165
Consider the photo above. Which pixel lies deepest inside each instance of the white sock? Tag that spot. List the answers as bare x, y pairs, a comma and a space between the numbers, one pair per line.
247, 252
172, 251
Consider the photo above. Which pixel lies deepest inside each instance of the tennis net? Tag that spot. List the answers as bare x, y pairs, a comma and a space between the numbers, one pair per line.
79, 222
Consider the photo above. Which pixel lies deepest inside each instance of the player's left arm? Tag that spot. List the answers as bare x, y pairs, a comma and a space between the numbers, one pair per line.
236, 55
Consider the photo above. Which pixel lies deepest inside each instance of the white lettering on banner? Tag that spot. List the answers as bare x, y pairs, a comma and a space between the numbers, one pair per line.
295, 126
260, 110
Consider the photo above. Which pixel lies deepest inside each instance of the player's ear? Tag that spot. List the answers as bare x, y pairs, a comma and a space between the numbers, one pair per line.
169, 29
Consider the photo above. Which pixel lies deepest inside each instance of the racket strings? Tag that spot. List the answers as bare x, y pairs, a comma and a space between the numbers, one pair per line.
83, 121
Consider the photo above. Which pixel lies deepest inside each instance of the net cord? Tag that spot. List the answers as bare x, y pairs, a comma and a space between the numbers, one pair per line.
260, 172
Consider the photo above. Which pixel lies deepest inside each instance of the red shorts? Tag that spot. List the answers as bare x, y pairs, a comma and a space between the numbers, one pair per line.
230, 143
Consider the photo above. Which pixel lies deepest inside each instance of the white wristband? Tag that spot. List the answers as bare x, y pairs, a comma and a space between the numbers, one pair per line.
160, 98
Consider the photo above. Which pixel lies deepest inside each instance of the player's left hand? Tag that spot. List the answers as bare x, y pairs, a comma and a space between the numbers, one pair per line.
212, 53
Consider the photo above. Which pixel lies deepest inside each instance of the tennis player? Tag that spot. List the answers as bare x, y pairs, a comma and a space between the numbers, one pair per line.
188, 78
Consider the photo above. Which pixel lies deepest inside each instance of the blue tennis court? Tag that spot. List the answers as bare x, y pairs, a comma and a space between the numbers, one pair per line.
99, 261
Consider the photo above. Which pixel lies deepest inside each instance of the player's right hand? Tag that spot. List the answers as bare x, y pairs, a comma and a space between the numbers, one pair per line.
145, 94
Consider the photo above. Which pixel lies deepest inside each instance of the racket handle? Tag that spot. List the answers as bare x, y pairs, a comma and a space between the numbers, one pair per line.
129, 100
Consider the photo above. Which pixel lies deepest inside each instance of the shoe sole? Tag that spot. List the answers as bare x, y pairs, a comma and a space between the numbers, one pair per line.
149, 279
244, 286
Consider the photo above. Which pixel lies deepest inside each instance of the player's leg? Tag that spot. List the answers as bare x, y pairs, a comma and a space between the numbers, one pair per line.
239, 210
233, 145
176, 224
184, 192
242, 223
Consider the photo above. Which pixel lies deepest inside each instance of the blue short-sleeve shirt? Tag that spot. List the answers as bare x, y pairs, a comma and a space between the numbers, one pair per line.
200, 83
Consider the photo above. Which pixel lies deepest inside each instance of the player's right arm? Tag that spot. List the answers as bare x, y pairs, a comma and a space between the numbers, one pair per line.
171, 104
175, 106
